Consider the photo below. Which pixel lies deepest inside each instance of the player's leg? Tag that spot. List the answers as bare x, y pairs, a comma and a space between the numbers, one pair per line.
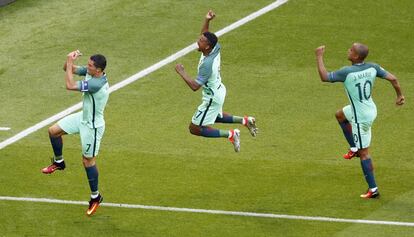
205, 116
92, 173
55, 137
91, 139
363, 140
368, 170
248, 121
207, 131
67, 125
343, 116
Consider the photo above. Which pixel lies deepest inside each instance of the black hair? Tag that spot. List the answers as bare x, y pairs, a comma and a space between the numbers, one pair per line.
211, 38
99, 61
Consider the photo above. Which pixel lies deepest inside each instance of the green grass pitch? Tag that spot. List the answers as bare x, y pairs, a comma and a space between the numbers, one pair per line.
147, 155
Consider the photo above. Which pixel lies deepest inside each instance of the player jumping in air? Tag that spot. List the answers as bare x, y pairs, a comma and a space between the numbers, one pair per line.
214, 92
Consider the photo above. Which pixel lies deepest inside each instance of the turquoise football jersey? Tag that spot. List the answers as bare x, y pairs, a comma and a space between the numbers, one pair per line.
359, 81
95, 96
209, 73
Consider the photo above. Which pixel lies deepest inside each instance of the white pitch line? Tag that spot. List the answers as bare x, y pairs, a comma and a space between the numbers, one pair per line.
140, 74
216, 212
4, 128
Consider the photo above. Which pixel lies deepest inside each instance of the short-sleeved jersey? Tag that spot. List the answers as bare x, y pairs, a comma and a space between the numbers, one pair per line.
209, 73
359, 81
95, 96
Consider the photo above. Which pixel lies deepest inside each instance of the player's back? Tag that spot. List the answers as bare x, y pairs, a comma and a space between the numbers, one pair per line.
359, 84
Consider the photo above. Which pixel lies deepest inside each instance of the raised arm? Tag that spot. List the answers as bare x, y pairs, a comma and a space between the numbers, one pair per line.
323, 73
394, 82
70, 83
73, 66
210, 15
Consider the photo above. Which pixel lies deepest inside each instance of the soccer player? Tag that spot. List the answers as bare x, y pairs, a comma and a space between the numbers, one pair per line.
89, 122
214, 92
357, 118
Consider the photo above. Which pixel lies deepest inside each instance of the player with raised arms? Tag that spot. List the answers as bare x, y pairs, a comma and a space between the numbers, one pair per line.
89, 122
214, 91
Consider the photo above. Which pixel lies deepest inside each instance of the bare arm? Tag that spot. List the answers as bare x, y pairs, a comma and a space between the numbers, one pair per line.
70, 83
73, 66
210, 15
323, 73
394, 82
179, 68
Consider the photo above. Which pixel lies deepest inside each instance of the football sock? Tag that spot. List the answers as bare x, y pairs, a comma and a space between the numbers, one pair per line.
57, 145
347, 130
228, 118
92, 173
212, 132
58, 159
94, 194
368, 171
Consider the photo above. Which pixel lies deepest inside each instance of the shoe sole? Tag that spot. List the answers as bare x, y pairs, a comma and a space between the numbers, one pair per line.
253, 131
237, 147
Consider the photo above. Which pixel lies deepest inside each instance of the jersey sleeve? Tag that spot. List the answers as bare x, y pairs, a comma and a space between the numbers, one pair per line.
381, 72
204, 72
81, 70
338, 75
92, 85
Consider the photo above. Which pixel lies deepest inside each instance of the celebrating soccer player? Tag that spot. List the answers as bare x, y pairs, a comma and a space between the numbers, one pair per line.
357, 118
89, 122
214, 91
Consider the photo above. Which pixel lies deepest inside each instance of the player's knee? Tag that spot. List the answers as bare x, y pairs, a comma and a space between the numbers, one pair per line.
88, 162
52, 131
194, 129
363, 154
340, 116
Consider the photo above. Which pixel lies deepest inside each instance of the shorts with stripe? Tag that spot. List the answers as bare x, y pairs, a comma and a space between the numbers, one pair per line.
361, 131
90, 137
207, 113
210, 108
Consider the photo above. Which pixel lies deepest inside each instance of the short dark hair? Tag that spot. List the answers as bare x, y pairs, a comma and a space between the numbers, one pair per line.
99, 61
211, 38
362, 50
